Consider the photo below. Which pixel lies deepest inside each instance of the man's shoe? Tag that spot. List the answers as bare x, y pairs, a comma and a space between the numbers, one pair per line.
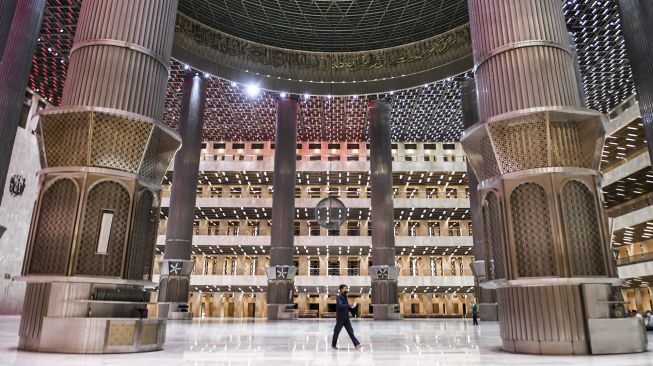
334, 348
359, 347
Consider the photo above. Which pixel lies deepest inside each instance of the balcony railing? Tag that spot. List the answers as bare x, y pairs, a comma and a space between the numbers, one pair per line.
322, 156
638, 258
446, 271
436, 271
347, 232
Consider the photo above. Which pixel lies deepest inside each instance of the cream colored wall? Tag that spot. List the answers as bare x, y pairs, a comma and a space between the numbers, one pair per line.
429, 305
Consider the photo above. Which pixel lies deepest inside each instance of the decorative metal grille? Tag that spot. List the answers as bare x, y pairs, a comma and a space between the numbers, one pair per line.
566, 146
604, 65
582, 229
531, 222
481, 154
104, 196
54, 231
65, 138
118, 142
160, 151
520, 143
143, 238
493, 229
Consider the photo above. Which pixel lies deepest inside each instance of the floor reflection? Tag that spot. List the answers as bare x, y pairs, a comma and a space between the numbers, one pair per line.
308, 342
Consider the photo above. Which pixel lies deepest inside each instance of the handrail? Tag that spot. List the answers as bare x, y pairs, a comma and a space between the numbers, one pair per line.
446, 271
450, 158
638, 258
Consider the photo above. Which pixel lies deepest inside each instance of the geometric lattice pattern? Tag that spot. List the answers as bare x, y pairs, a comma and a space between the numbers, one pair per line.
604, 67
532, 231
582, 229
329, 25
121, 333
109, 196
566, 145
66, 138
493, 229
429, 115
520, 143
99, 139
118, 142
535, 141
161, 148
481, 155
54, 233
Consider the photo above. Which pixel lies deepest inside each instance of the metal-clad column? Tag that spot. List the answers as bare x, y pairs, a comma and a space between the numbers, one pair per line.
485, 298
176, 257
20, 24
470, 117
104, 153
282, 271
536, 153
384, 272
7, 9
637, 30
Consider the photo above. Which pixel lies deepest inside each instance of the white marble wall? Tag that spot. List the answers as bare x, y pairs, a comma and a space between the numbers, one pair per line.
15, 215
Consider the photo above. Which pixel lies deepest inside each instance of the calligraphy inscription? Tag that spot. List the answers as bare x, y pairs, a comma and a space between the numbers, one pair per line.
337, 61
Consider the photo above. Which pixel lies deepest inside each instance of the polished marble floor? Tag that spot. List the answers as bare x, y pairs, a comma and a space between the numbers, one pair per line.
307, 342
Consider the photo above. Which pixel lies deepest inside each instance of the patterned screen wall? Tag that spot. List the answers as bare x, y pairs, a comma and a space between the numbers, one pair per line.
495, 244
531, 222
582, 229
566, 146
118, 142
66, 136
143, 239
54, 233
521, 143
485, 164
106, 196
160, 150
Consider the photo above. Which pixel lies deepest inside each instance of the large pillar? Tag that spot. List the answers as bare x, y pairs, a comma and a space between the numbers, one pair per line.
281, 272
486, 298
104, 154
638, 33
7, 9
383, 272
536, 153
176, 265
20, 23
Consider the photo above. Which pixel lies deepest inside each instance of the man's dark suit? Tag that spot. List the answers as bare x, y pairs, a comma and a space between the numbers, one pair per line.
342, 320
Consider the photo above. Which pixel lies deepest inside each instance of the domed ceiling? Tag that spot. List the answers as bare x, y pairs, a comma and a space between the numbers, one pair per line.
426, 112
329, 25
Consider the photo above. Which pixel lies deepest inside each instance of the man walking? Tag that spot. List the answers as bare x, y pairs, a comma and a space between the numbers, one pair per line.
475, 314
342, 318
